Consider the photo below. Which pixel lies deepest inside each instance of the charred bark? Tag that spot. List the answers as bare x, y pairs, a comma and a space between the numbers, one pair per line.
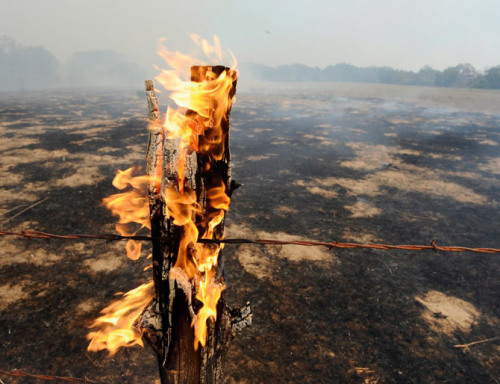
166, 323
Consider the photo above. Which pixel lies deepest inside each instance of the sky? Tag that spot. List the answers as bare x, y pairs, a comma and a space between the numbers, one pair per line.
404, 34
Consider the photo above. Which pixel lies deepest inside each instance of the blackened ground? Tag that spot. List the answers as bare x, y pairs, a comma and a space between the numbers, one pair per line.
312, 165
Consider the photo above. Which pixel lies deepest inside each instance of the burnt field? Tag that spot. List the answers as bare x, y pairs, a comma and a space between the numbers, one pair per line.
348, 163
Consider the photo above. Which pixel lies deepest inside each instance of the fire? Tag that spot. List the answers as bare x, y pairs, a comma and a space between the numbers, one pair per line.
197, 125
209, 294
131, 206
199, 260
182, 207
117, 321
209, 98
202, 106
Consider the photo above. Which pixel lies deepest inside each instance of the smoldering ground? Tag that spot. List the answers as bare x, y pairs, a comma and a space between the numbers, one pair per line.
359, 163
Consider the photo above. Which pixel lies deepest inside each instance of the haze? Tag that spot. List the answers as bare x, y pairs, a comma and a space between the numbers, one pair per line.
402, 34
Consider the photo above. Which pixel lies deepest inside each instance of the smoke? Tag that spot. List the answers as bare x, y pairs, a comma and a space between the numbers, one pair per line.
102, 69
34, 68
26, 67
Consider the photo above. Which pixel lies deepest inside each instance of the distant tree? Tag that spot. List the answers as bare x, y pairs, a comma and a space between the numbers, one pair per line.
386, 75
467, 75
492, 78
426, 76
102, 69
253, 72
296, 72
342, 72
462, 75
26, 67
368, 75
447, 78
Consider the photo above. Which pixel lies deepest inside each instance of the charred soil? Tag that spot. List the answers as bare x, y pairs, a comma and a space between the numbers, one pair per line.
317, 166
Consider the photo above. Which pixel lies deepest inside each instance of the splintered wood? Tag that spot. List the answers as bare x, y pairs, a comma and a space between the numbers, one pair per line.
188, 323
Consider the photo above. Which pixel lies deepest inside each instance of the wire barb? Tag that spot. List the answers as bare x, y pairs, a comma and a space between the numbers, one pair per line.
21, 373
304, 243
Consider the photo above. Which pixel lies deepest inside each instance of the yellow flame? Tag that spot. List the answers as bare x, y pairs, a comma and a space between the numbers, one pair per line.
130, 207
182, 208
209, 293
116, 325
208, 97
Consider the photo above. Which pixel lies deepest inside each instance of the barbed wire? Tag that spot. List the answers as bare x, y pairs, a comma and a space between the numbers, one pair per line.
75, 236
21, 373
306, 243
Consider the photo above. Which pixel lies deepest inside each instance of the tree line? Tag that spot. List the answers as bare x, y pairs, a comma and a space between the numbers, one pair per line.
37, 68
460, 76
24, 68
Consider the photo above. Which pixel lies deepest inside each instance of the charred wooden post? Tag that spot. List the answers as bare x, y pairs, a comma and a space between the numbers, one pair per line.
167, 322
153, 171
151, 321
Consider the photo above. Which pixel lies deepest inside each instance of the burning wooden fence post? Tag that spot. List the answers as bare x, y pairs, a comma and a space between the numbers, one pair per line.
188, 323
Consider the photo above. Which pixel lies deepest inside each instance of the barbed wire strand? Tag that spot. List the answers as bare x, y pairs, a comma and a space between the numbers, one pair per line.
21, 373
307, 243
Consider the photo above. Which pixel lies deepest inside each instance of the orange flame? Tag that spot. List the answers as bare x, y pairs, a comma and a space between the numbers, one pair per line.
182, 208
202, 107
131, 207
208, 97
209, 293
117, 321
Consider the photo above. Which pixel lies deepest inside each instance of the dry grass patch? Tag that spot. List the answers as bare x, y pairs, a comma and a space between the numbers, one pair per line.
363, 209
447, 313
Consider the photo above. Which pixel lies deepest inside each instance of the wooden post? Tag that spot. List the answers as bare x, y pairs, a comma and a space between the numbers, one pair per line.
166, 323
